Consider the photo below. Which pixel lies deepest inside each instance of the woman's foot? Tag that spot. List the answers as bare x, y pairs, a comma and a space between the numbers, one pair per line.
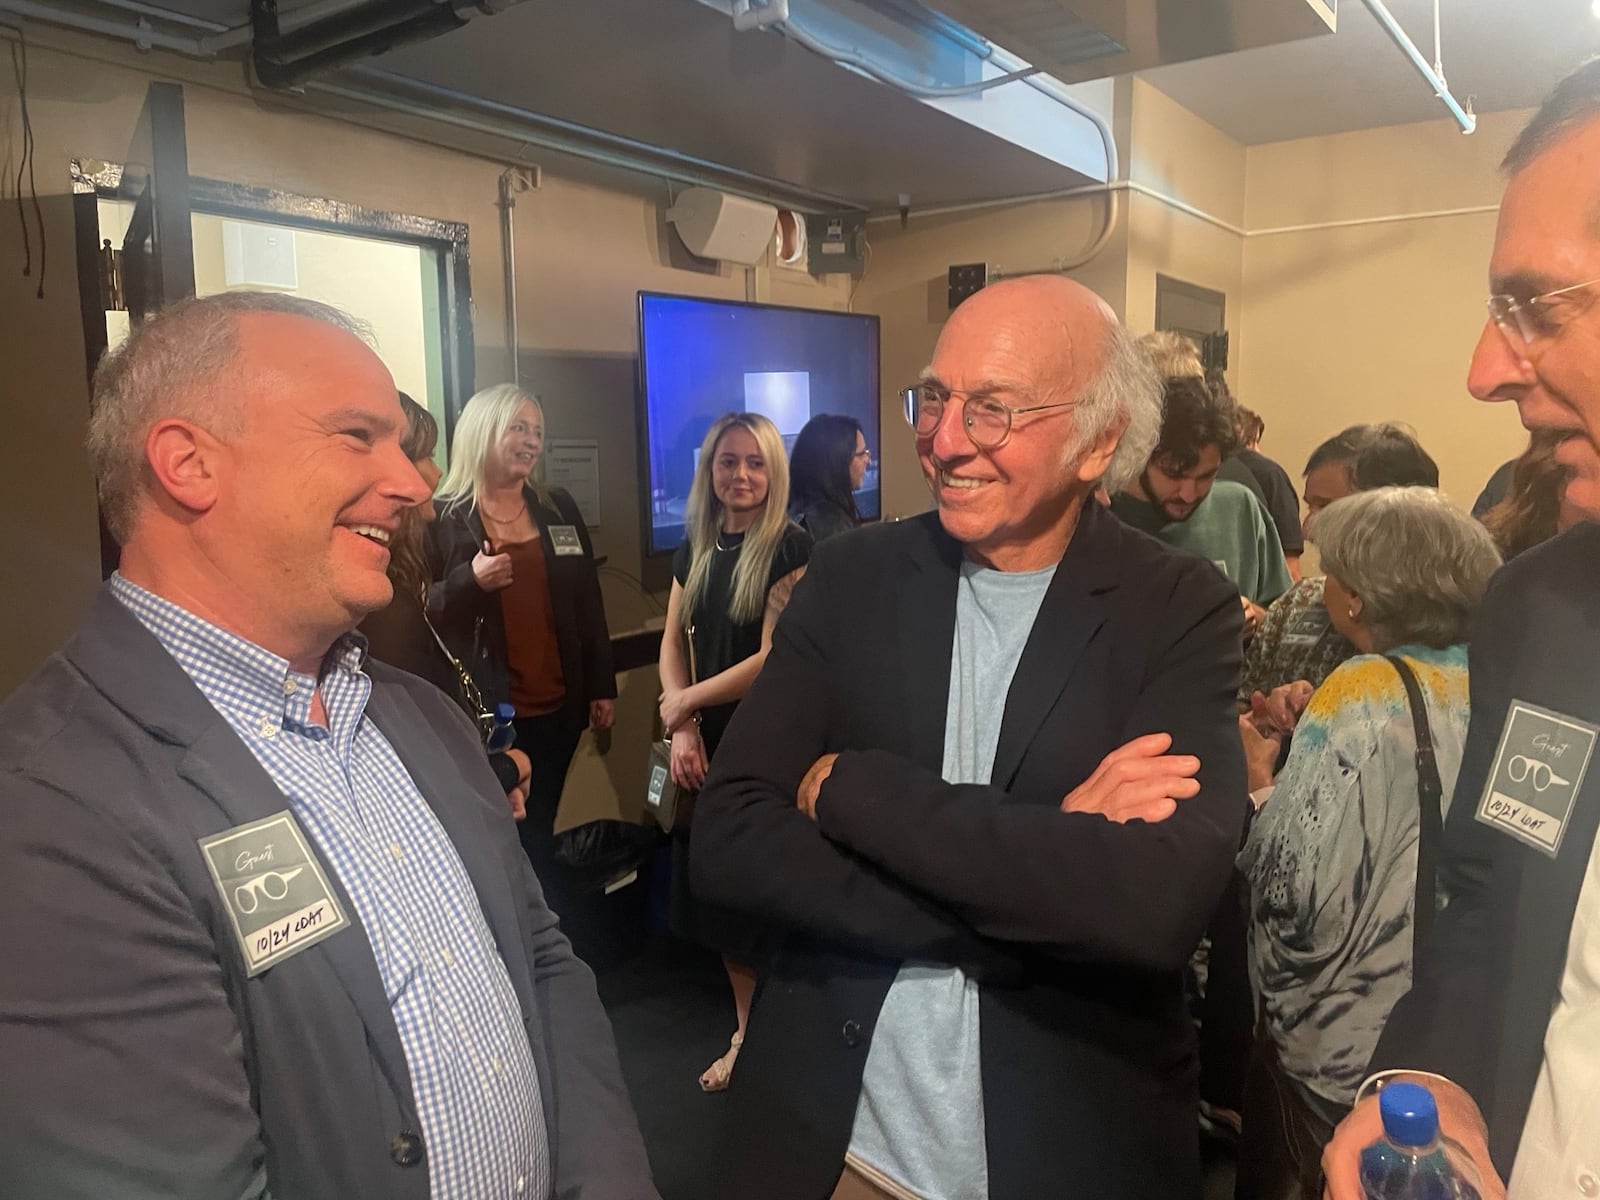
719, 1073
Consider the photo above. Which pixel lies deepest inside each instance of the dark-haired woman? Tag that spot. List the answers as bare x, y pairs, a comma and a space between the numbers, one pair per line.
400, 634
826, 469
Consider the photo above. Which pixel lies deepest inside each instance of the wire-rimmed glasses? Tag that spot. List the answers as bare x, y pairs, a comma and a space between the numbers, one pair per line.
987, 420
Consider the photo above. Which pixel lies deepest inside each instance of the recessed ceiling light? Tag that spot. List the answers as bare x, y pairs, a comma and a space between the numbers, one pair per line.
1595, 9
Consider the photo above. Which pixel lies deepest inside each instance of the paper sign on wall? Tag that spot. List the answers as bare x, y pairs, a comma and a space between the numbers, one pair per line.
575, 465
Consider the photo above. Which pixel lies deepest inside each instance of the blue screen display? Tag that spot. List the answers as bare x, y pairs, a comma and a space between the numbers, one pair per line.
700, 359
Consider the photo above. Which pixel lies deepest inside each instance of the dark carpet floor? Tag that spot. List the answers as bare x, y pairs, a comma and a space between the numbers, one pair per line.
672, 1013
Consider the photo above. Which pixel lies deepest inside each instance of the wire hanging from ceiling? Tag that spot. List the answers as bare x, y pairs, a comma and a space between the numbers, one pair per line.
25, 167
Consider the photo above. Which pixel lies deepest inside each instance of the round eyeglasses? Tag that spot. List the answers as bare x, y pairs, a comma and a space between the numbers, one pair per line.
986, 420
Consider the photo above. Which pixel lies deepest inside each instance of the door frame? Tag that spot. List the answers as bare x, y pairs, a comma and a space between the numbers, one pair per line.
213, 197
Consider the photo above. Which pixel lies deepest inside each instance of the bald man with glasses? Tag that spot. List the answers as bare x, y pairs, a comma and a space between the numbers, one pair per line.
989, 787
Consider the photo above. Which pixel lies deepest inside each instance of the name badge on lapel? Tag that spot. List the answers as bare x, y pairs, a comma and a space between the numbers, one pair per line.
275, 891
1537, 772
564, 540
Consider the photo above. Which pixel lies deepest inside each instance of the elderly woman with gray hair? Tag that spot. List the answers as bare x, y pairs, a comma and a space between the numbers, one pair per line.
1332, 856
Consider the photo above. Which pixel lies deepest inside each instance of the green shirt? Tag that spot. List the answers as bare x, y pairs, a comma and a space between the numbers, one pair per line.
1228, 527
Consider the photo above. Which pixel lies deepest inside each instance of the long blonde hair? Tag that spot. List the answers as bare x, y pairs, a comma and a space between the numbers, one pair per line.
703, 518
483, 423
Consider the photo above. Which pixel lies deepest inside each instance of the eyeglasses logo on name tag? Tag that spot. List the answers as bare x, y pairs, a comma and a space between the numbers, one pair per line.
1538, 769
564, 540
278, 899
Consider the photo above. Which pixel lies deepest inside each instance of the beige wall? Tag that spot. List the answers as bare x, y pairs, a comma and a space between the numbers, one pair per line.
1375, 322
1175, 153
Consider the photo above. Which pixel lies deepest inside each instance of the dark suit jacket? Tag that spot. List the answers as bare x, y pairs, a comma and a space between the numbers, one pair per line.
1487, 980
140, 1061
1077, 928
469, 620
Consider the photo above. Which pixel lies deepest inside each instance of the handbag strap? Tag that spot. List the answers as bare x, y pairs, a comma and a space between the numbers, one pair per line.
471, 697
1430, 825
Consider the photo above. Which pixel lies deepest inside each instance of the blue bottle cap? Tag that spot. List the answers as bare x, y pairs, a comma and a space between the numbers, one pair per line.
504, 713
1410, 1116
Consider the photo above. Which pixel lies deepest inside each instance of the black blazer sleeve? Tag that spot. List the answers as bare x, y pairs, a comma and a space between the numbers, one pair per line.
1443, 1023
1076, 885
454, 598
755, 850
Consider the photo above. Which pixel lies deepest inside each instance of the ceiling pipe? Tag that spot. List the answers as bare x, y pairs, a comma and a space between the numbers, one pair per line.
1464, 116
413, 97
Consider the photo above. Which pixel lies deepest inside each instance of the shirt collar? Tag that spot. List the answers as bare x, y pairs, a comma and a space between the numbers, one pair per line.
252, 687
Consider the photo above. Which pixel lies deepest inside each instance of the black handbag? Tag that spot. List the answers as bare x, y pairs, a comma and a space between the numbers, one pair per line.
672, 806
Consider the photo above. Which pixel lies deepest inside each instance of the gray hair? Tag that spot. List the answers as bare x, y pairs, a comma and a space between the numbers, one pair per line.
1418, 563
1126, 392
1574, 102
173, 366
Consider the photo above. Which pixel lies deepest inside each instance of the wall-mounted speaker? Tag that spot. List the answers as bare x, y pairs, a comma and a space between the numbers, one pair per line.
714, 224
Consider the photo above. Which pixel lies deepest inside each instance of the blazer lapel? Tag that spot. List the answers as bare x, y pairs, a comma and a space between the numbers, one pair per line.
926, 610
1073, 611
140, 677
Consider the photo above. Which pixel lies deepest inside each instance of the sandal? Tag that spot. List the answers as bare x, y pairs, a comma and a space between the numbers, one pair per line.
717, 1076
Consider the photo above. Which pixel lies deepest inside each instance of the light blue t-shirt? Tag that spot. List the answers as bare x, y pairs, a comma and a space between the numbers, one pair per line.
920, 1119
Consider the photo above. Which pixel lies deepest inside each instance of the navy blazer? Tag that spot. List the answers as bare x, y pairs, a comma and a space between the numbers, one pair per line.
140, 1060
1488, 979
1077, 928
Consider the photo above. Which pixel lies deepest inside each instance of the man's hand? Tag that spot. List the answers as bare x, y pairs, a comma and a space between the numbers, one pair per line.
1459, 1120
602, 714
805, 797
677, 706
517, 797
1253, 615
688, 757
491, 570
1137, 782
1261, 752
1279, 712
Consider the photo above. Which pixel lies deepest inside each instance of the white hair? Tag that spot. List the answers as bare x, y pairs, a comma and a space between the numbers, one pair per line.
177, 364
1126, 393
1419, 564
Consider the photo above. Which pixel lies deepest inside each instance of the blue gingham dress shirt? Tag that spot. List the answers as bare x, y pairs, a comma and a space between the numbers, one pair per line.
476, 1089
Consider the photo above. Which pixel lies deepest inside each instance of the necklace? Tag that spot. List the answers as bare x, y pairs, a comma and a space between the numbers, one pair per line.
735, 546
511, 520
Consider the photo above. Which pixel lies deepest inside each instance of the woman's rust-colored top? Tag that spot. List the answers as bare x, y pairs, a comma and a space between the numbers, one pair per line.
532, 652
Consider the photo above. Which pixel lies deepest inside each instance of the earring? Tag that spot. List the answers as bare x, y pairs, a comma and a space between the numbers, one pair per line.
1353, 613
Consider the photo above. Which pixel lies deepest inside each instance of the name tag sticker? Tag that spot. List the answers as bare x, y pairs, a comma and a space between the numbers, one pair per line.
1306, 628
564, 539
274, 889
1537, 772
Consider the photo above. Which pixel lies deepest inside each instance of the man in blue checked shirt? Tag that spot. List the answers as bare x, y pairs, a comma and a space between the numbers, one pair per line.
265, 924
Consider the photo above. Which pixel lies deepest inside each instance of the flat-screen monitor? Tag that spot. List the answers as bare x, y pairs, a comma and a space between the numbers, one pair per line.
699, 359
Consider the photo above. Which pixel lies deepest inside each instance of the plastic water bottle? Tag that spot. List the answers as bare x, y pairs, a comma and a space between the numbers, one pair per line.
502, 733
1409, 1162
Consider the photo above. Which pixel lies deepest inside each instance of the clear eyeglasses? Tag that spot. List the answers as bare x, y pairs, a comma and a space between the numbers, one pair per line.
986, 419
